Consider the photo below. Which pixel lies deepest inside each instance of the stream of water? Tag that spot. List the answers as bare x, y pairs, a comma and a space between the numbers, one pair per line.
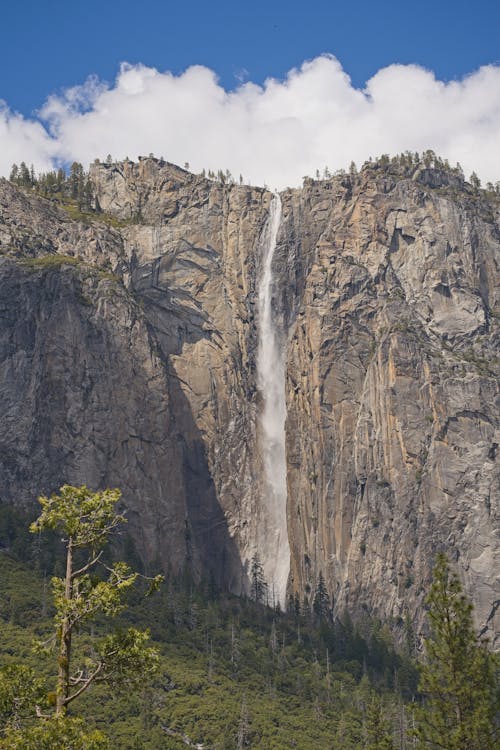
275, 550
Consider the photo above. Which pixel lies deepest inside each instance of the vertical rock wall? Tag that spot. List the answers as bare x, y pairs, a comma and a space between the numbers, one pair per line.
133, 363
392, 393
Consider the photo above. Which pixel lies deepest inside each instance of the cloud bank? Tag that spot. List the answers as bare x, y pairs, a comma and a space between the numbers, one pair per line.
273, 134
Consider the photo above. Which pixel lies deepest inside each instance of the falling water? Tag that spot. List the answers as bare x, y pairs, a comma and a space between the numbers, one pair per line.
274, 547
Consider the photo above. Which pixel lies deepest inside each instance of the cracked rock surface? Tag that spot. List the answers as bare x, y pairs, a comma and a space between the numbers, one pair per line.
128, 358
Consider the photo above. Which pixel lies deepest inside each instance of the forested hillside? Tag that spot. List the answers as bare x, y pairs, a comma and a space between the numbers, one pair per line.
233, 672
238, 673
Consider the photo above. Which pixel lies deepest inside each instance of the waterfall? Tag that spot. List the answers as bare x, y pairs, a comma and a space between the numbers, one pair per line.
274, 549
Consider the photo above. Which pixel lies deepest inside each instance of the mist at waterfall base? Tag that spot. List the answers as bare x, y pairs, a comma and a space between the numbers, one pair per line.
274, 550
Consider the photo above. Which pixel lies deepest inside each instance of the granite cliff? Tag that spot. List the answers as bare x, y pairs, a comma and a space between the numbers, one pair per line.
128, 357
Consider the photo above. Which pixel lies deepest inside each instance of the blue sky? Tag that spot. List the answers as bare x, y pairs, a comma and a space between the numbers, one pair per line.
272, 90
47, 45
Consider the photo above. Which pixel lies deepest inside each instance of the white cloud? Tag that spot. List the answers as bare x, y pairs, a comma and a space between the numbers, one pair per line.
274, 133
23, 140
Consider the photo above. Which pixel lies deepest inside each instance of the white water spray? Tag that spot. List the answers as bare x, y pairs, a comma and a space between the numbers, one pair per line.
274, 547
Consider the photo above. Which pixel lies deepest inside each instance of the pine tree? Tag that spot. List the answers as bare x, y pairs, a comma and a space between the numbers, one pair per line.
24, 178
378, 727
257, 580
60, 180
296, 604
243, 726
321, 601
475, 181
87, 519
76, 183
88, 195
458, 677
235, 651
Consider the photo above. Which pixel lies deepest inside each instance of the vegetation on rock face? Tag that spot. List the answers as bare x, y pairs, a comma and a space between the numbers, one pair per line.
424, 167
76, 191
58, 185
54, 260
73, 192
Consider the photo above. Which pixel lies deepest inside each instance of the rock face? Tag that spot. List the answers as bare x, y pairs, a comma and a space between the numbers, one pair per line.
392, 428
128, 357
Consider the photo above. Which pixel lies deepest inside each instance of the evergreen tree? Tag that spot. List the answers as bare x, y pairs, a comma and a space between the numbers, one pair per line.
349, 735
88, 195
31, 719
296, 604
243, 726
306, 609
56, 734
257, 580
235, 651
76, 182
475, 181
24, 178
20, 691
60, 180
378, 727
458, 678
321, 601
87, 519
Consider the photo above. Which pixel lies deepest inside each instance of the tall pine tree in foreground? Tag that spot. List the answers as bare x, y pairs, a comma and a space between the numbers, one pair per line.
459, 677
90, 592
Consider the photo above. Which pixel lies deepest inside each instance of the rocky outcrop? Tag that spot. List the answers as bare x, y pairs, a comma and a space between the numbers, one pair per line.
128, 357
153, 348
392, 426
